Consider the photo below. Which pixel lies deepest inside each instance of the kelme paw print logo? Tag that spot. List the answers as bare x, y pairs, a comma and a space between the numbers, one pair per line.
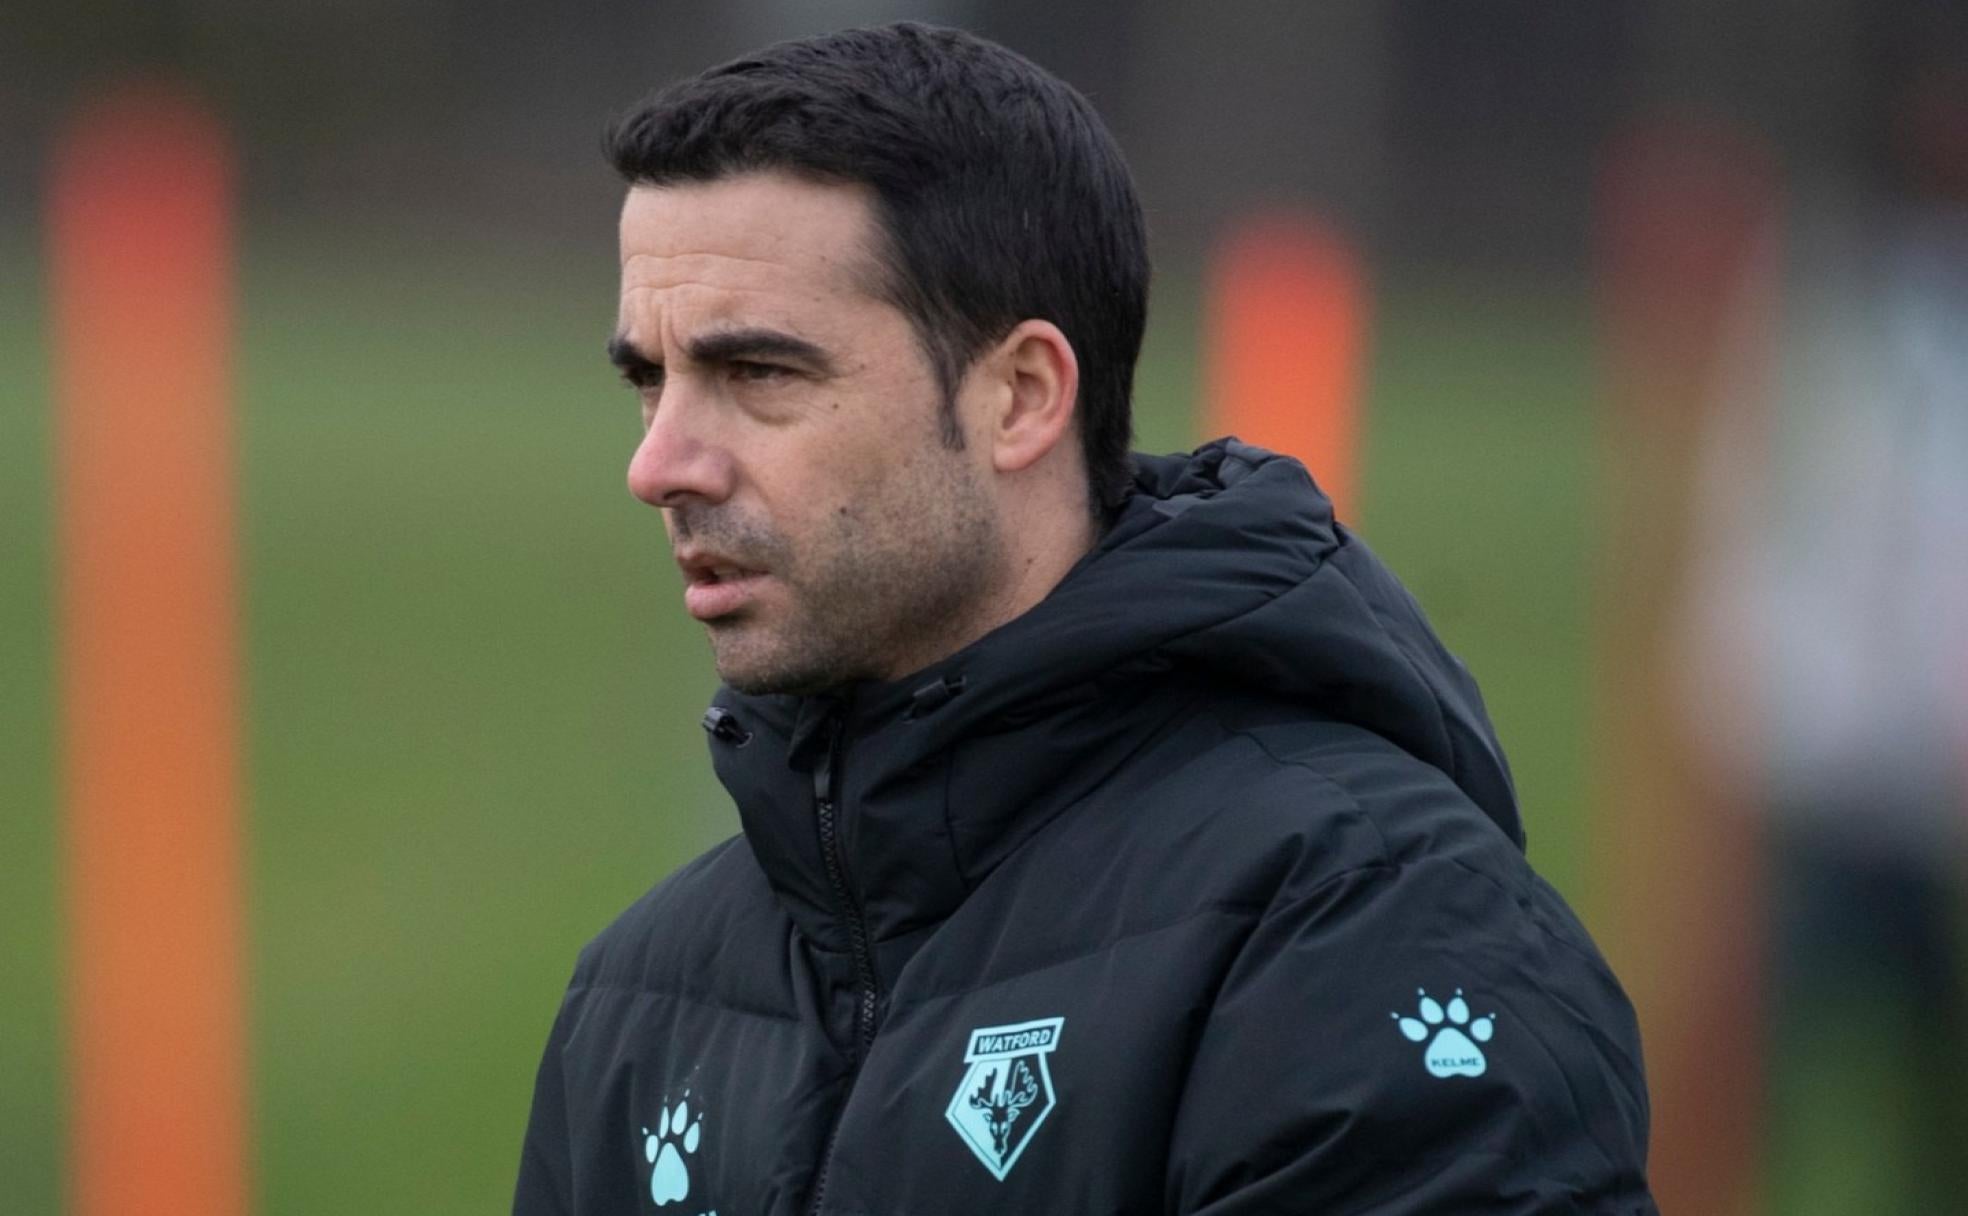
669, 1180
1451, 1052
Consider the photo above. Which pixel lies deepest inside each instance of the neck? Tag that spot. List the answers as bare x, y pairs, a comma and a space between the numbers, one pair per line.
1047, 529
1036, 572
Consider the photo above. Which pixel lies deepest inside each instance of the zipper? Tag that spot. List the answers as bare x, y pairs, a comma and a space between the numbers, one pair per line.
827, 811
827, 816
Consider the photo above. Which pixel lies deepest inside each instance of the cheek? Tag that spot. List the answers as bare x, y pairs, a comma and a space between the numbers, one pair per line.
842, 466
836, 514
854, 464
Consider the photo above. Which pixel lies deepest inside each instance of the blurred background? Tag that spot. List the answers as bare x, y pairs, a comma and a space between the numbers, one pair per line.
1656, 323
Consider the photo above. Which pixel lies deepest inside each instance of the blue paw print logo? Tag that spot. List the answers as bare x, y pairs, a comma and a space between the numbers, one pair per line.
1452, 1051
669, 1149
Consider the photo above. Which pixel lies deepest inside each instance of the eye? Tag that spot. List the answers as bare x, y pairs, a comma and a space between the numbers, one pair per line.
644, 376
753, 372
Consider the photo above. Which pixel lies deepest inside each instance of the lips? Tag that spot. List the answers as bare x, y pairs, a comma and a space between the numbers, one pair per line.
715, 586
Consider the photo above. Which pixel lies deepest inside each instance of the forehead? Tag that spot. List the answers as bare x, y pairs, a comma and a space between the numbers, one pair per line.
756, 241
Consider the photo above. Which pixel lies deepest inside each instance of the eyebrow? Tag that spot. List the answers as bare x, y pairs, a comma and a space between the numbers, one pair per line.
628, 357
727, 346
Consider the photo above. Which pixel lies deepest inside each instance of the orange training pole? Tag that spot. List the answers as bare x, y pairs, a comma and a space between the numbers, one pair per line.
1286, 344
139, 231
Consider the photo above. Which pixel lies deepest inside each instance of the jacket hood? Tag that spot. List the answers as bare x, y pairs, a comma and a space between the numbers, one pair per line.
1229, 561
1224, 572
1227, 565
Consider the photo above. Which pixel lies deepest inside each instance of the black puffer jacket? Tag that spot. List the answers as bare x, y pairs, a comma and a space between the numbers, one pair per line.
1199, 888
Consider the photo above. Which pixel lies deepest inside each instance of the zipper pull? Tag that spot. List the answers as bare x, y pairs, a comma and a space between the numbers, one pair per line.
723, 725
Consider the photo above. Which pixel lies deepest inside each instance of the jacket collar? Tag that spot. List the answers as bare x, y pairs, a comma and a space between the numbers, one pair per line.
1224, 575
928, 799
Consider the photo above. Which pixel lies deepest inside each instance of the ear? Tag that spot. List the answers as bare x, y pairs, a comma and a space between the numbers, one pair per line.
1037, 391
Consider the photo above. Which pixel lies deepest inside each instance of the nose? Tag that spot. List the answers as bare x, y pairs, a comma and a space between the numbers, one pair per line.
679, 459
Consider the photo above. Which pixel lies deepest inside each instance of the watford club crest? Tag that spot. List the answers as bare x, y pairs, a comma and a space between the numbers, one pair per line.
1006, 1091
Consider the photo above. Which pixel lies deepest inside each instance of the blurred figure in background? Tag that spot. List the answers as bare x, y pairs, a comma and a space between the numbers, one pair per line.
1836, 603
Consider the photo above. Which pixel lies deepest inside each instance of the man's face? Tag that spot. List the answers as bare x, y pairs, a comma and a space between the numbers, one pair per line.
790, 435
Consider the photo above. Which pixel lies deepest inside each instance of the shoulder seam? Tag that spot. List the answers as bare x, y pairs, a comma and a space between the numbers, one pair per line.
1518, 897
1386, 853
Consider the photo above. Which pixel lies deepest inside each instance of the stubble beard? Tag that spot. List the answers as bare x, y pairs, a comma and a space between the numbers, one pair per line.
886, 588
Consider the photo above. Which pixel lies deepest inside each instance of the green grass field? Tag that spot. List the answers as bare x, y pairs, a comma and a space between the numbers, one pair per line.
474, 695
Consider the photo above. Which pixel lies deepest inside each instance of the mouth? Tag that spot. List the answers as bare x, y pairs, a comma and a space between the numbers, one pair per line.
715, 586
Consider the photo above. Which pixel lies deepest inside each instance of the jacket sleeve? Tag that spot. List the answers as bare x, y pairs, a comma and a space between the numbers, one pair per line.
1413, 1037
545, 1185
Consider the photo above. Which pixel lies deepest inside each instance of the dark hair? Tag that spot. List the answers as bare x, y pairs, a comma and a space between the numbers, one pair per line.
999, 194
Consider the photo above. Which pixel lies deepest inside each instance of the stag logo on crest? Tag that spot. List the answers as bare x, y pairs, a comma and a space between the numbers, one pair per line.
1006, 1091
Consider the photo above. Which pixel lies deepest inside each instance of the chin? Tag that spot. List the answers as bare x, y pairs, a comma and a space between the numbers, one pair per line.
775, 683
760, 661
760, 675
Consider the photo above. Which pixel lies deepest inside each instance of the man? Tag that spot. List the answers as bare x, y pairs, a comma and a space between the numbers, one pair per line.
1117, 837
